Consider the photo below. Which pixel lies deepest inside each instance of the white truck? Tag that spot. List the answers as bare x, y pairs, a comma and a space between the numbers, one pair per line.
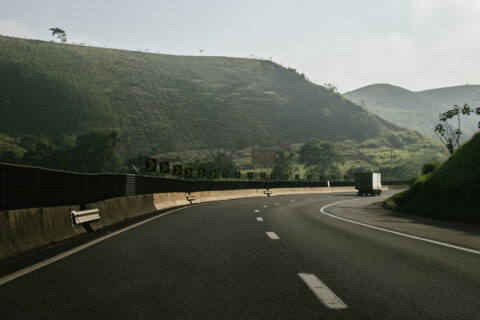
368, 183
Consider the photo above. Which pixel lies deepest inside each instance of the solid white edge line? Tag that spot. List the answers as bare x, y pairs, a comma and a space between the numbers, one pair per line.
322, 210
272, 235
323, 293
44, 263
259, 219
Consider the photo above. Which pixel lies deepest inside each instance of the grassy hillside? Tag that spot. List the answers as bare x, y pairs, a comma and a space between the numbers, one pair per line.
451, 191
417, 110
455, 95
166, 103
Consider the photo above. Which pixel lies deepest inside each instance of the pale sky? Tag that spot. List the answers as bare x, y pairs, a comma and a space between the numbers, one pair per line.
416, 44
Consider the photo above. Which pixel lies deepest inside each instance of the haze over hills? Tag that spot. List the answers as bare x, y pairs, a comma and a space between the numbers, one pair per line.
418, 110
165, 102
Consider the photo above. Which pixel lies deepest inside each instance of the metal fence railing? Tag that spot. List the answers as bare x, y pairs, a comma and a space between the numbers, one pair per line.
30, 187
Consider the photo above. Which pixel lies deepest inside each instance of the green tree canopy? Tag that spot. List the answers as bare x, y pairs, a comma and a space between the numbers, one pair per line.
219, 161
95, 152
448, 132
320, 157
284, 163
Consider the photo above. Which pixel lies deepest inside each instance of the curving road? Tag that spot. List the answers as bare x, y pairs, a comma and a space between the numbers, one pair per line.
260, 258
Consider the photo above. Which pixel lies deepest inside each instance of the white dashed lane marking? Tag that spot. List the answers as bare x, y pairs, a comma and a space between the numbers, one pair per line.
265, 206
257, 211
323, 293
259, 219
272, 235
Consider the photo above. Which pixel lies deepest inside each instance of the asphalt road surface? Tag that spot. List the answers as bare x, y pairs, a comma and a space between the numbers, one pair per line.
259, 258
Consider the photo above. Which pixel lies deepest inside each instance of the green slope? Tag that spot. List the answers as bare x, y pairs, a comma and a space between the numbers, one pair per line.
164, 102
455, 95
451, 191
416, 110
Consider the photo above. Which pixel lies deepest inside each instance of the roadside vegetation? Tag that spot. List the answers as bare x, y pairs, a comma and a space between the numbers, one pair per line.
93, 151
448, 191
398, 156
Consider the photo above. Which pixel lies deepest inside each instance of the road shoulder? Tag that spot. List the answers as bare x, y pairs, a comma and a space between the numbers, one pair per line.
370, 211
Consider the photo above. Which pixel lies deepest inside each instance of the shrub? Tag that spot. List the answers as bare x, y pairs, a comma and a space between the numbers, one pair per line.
429, 167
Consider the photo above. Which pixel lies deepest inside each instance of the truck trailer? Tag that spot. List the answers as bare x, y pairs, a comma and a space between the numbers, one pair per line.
368, 183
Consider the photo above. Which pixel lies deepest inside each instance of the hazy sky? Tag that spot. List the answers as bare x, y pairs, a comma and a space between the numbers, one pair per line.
416, 44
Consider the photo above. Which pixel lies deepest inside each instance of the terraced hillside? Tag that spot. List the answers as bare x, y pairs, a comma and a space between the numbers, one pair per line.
165, 102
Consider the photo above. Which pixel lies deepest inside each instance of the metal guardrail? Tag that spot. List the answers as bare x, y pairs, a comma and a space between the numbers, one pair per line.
85, 216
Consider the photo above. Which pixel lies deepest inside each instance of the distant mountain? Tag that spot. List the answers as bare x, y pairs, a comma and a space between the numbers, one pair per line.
167, 103
417, 110
455, 95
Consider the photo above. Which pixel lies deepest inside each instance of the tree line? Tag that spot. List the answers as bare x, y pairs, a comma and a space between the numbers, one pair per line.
92, 151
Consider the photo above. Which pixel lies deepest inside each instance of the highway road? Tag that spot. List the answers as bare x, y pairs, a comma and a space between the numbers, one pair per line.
258, 258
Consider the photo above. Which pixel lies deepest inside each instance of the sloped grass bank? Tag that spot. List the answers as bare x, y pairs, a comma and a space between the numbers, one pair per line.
451, 192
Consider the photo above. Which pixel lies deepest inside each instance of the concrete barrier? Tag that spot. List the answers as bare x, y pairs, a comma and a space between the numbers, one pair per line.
119, 209
398, 187
169, 200
209, 196
26, 229
286, 191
